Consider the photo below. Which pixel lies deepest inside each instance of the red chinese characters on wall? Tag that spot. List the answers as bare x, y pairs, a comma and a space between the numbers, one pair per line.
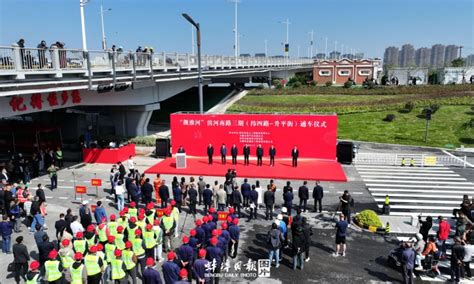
18, 103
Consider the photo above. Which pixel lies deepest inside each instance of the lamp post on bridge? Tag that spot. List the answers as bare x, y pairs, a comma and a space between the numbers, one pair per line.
200, 81
82, 3
102, 11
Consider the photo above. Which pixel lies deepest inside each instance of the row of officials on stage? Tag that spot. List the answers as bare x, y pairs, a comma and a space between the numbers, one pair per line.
234, 151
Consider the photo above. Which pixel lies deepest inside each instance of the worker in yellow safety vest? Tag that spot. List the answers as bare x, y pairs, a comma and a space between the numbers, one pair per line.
132, 226
118, 268
32, 277
112, 225
158, 239
175, 214
110, 248
90, 236
94, 266
139, 249
53, 268
132, 210
120, 238
168, 225
150, 212
141, 223
130, 260
403, 162
78, 270
150, 241
412, 162
66, 254
123, 220
79, 244
103, 231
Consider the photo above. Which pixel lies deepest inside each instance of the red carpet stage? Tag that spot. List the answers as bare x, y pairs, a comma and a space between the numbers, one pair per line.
308, 169
108, 156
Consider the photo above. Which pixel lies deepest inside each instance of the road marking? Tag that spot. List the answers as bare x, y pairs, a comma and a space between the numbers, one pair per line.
419, 190
60, 180
410, 174
354, 192
418, 201
457, 197
417, 207
62, 186
63, 197
405, 171
418, 181
49, 197
400, 167
411, 177
418, 186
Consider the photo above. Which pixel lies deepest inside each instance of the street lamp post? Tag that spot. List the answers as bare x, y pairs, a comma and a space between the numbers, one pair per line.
200, 81
287, 43
104, 42
82, 3
311, 43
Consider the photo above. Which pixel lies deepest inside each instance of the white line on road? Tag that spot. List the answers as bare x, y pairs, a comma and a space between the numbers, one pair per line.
418, 201
419, 181
354, 192
418, 186
426, 196
63, 197
406, 171
410, 174
415, 178
418, 207
388, 190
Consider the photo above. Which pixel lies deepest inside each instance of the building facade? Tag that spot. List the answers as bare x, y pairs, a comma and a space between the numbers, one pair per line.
455, 75
437, 55
390, 57
406, 76
340, 71
407, 56
450, 54
423, 57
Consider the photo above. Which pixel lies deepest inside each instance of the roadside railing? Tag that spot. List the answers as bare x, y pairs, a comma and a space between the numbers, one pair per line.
24, 61
423, 160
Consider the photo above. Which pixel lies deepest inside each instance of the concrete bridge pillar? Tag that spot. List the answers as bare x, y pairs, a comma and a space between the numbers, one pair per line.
133, 121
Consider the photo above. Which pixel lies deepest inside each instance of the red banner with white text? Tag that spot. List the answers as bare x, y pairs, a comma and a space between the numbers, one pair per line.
314, 135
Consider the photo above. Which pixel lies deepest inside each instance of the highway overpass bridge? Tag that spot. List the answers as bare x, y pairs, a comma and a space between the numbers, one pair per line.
128, 86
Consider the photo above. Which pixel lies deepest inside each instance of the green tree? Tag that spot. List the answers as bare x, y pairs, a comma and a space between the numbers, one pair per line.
458, 62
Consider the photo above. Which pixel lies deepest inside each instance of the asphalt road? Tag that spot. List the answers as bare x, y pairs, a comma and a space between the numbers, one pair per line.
366, 252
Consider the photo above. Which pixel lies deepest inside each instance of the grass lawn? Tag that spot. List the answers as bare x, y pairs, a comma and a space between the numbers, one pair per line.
446, 127
361, 115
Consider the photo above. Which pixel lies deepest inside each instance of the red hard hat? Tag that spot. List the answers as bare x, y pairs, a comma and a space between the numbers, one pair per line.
202, 253
149, 227
156, 222
150, 261
231, 210
79, 235
138, 232
78, 256
185, 239
93, 249
198, 222
90, 228
128, 244
149, 206
205, 219
172, 202
118, 253
119, 229
214, 232
65, 242
192, 232
53, 254
100, 247
235, 221
111, 239
212, 210
183, 273
213, 241
229, 219
133, 219
113, 217
210, 218
34, 265
171, 255
224, 226
133, 204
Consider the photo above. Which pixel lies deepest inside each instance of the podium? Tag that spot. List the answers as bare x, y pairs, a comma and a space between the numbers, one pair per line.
180, 160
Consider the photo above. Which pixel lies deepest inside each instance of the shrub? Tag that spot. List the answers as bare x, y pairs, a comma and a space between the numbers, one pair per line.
349, 83
434, 108
328, 84
368, 218
277, 83
260, 87
389, 118
296, 84
313, 83
409, 106
144, 141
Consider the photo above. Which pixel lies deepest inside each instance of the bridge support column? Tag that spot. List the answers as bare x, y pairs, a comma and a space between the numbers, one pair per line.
133, 121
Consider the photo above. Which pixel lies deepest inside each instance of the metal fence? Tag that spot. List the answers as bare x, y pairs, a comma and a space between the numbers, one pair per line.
33, 59
423, 160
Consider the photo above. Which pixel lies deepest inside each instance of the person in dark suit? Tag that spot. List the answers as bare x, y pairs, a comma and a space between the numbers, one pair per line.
245, 190
237, 200
234, 151
181, 149
147, 191
164, 192
246, 154
21, 258
303, 194
269, 201
259, 155
223, 153
294, 156
210, 153
272, 153
318, 196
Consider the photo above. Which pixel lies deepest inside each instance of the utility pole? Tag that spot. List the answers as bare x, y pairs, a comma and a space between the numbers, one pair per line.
104, 41
266, 50
287, 43
326, 50
311, 43
82, 3
236, 30
192, 40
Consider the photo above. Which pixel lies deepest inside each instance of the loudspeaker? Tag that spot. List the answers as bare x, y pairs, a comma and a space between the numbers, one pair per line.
345, 152
162, 147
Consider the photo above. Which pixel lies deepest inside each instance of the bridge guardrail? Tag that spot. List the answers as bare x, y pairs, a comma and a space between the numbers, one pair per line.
24, 61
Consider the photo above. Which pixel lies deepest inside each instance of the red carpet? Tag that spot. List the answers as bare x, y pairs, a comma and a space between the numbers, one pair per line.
308, 169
